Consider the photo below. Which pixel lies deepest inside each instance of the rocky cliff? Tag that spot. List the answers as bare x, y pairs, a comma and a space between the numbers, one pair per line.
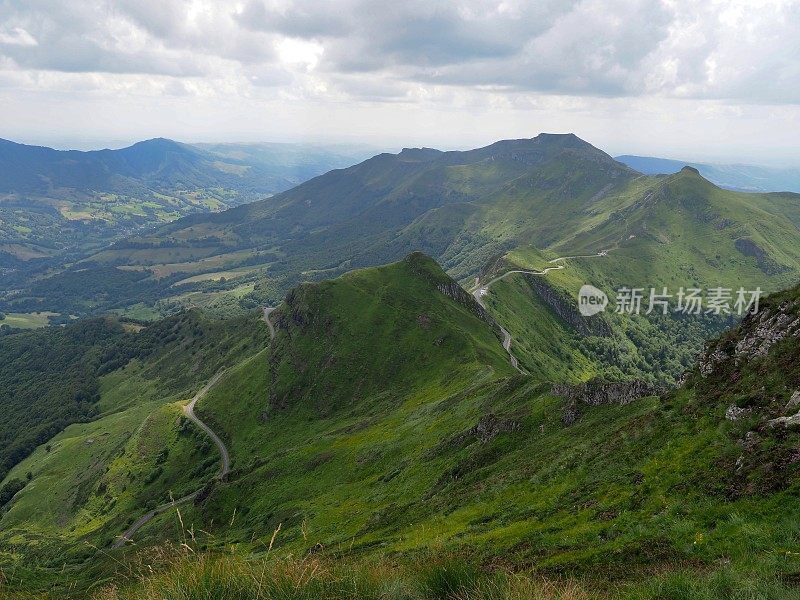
565, 309
752, 376
596, 393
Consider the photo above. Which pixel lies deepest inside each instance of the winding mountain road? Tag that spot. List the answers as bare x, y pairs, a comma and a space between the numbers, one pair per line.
267, 311
226, 458
482, 290
188, 410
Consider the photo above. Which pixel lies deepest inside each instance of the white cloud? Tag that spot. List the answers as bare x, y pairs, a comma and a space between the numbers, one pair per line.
17, 36
292, 51
722, 61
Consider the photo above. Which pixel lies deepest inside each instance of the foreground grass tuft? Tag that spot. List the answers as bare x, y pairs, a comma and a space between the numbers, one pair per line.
175, 574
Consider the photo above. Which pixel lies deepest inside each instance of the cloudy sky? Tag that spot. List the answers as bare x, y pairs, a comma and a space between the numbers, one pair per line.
712, 79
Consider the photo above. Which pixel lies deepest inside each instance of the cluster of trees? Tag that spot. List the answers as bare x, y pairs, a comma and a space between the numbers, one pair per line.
654, 348
49, 379
90, 290
9, 490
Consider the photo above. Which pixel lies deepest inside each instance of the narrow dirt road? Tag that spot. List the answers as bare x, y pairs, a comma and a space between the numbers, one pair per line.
226, 458
226, 466
482, 290
189, 412
267, 312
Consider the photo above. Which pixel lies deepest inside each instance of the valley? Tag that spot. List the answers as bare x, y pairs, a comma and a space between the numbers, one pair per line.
448, 407
58, 207
372, 300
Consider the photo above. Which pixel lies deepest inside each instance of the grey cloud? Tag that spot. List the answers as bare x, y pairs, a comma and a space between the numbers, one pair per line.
216, 32
616, 48
75, 37
321, 19
364, 35
578, 47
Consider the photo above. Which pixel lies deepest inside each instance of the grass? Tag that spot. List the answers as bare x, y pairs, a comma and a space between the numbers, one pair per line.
389, 463
383, 432
27, 320
221, 275
562, 199
86, 485
169, 573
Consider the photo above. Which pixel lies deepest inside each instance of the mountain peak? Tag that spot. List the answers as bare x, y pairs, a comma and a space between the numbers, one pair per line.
158, 143
560, 137
419, 154
690, 174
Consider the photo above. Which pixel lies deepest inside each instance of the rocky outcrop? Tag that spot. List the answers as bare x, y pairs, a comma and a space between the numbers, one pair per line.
752, 376
485, 430
710, 361
734, 413
792, 421
490, 426
598, 393
596, 325
766, 328
456, 292
756, 335
794, 402
791, 407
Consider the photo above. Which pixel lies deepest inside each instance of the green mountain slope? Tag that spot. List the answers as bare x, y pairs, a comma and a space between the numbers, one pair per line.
554, 194
384, 418
379, 211
676, 232
118, 449
59, 206
589, 478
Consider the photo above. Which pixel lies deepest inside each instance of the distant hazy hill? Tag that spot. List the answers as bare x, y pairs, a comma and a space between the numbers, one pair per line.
734, 177
463, 207
54, 201
553, 192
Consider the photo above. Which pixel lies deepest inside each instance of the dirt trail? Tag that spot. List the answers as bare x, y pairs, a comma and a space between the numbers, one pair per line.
267, 312
226, 464
482, 290
226, 458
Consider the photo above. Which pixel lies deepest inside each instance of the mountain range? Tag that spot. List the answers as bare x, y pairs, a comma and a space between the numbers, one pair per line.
744, 178
55, 202
379, 383
526, 201
382, 416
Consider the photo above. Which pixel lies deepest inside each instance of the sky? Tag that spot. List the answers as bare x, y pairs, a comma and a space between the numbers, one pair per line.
714, 80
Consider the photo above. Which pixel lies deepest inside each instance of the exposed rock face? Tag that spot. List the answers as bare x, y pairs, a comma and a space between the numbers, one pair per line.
758, 366
765, 329
460, 295
485, 430
792, 421
758, 333
709, 362
734, 413
566, 310
794, 402
490, 426
597, 393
